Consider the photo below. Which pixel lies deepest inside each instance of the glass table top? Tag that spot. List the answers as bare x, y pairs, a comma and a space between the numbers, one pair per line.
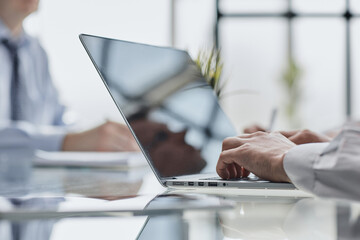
95, 203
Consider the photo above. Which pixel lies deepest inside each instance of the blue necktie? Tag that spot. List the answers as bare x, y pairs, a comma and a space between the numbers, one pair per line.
14, 85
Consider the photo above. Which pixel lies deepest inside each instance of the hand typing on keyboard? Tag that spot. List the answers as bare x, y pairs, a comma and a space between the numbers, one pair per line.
260, 153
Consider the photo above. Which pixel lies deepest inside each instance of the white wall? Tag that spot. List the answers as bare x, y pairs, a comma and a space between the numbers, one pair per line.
58, 24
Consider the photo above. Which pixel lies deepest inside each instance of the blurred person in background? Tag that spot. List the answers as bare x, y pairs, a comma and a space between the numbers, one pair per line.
29, 100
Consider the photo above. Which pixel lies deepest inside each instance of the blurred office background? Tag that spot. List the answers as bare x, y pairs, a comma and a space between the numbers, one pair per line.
257, 38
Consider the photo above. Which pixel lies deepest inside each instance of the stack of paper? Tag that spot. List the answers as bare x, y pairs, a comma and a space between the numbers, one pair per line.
89, 159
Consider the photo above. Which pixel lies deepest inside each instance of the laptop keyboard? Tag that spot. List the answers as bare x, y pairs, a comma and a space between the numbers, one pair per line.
253, 178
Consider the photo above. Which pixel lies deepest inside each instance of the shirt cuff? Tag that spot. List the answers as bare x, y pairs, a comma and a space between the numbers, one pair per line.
49, 142
299, 164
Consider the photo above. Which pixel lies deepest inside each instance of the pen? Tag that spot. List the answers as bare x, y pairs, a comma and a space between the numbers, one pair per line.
272, 119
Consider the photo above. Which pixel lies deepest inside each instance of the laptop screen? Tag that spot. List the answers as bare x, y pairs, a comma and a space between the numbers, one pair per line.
172, 111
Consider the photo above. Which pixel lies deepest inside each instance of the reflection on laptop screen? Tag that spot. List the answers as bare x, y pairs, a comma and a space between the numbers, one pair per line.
172, 111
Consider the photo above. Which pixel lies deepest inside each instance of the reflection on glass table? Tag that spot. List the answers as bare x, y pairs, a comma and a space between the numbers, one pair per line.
250, 218
262, 218
30, 208
23, 186
99, 183
34, 217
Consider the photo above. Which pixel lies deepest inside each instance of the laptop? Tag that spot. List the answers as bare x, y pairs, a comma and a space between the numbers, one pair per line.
171, 111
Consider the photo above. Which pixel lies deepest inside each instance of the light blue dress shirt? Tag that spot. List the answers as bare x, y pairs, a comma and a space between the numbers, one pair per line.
42, 113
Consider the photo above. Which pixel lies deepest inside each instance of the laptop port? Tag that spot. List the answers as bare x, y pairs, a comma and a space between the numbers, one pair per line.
191, 183
178, 183
201, 183
212, 184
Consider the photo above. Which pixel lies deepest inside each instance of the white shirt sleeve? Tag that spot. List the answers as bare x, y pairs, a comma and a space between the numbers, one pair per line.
327, 169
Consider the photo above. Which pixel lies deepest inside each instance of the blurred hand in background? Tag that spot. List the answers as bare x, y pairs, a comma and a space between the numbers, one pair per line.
110, 136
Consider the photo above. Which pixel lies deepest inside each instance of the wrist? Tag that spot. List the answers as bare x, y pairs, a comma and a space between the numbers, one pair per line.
71, 142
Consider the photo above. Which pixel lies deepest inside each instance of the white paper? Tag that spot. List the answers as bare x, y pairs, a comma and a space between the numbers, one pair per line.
89, 159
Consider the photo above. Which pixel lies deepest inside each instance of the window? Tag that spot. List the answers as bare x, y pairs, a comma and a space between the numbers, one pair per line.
322, 36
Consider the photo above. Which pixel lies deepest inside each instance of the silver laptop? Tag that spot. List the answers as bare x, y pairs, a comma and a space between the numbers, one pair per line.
171, 111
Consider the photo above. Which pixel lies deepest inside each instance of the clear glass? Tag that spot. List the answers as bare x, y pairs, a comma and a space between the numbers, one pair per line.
320, 50
254, 54
69, 203
252, 217
355, 54
252, 6
319, 6
355, 6
194, 25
